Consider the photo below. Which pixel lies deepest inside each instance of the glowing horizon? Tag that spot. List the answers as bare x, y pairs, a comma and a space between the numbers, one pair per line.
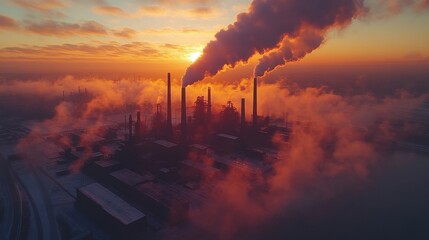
88, 33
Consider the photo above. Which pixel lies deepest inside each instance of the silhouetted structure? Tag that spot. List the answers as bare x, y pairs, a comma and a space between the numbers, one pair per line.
209, 105
130, 126
138, 127
229, 118
243, 117
183, 120
158, 124
169, 117
255, 103
200, 111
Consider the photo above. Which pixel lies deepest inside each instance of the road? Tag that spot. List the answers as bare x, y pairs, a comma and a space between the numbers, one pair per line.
40, 202
18, 182
12, 204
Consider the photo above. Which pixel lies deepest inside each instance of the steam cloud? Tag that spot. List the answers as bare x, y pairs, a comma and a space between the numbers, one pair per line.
289, 51
336, 142
335, 145
265, 26
281, 31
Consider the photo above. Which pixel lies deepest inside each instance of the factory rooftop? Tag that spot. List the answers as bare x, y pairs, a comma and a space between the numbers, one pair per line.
112, 203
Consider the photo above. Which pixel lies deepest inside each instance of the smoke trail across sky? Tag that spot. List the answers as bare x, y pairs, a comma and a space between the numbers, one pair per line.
281, 31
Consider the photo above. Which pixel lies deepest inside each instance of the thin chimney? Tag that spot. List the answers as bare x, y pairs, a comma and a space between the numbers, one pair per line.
255, 103
158, 108
209, 104
130, 126
169, 117
243, 116
138, 125
183, 122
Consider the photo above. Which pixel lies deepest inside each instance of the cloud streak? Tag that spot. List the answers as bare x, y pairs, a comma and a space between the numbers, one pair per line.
65, 29
41, 5
50, 27
110, 50
110, 10
8, 23
46, 7
125, 33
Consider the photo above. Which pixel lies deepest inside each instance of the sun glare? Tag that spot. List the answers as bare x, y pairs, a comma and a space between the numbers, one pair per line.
194, 56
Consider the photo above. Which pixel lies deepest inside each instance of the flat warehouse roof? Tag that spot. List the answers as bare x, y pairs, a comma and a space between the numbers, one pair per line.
223, 135
112, 203
107, 163
165, 143
129, 177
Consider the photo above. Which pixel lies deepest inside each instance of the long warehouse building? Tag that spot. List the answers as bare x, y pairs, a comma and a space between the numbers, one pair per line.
110, 208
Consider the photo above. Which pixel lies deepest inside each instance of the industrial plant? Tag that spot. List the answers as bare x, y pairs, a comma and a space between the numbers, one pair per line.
143, 174
147, 176
166, 170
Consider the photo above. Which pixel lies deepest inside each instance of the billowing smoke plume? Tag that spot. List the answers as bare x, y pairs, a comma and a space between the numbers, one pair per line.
290, 50
264, 27
283, 31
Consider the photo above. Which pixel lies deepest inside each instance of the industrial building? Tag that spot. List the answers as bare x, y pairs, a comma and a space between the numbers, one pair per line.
110, 209
161, 171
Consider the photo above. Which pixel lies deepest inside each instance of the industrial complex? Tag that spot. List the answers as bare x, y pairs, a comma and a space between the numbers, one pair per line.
147, 176
138, 178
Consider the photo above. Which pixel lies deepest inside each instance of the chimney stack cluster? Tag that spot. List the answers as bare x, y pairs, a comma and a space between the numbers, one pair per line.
183, 125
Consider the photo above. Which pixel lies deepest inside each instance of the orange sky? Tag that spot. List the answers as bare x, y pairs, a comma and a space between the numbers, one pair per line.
153, 37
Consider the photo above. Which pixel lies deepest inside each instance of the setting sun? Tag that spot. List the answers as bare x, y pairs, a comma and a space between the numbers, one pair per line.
194, 56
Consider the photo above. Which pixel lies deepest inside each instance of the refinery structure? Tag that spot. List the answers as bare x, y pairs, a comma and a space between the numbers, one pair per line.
143, 175
143, 178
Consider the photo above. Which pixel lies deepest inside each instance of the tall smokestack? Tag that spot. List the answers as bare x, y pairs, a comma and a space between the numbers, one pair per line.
183, 122
209, 104
138, 125
169, 118
158, 108
255, 103
130, 126
243, 116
